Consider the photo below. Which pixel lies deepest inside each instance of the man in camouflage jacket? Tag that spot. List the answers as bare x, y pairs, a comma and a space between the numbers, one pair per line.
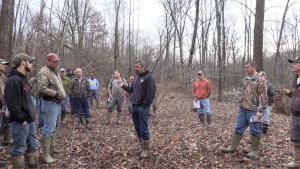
53, 94
252, 102
3, 119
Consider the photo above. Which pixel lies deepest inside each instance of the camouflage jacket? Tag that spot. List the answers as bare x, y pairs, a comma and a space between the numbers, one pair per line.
80, 90
50, 85
34, 87
253, 94
3, 80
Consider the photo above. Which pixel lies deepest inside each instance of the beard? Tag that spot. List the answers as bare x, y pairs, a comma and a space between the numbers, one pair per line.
27, 69
137, 72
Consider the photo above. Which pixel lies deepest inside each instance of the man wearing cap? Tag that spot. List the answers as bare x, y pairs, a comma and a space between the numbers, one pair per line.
21, 113
94, 87
53, 94
253, 99
129, 96
3, 79
294, 93
66, 83
70, 74
201, 91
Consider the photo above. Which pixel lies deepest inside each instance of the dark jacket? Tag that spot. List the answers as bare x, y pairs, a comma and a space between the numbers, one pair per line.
80, 90
295, 100
18, 98
143, 89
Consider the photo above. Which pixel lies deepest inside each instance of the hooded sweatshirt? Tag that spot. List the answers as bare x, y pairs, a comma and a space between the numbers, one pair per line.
18, 99
143, 89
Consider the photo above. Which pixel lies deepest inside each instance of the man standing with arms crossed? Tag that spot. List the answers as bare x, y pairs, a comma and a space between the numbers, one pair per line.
253, 99
21, 113
53, 94
143, 94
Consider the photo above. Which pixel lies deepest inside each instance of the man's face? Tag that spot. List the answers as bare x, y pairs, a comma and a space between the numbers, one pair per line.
249, 69
70, 72
295, 66
3, 67
62, 74
79, 74
28, 66
138, 68
117, 75
52, 64
92, 76
200, 76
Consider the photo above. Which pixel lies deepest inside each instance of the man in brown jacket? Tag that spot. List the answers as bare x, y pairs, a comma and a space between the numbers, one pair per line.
80, 91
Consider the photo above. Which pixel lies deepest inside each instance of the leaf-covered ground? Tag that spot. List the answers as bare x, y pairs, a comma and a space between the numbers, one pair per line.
178, 141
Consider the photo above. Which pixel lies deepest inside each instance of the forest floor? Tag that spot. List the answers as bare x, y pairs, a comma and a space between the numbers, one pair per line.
178, 141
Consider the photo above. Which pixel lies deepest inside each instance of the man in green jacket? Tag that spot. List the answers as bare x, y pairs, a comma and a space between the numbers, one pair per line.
66, 83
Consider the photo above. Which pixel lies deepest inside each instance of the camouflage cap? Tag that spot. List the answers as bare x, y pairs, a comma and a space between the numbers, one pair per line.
62, 70
22, 56
3, 62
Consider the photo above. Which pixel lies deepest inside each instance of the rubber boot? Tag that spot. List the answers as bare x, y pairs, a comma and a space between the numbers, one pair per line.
234, 144
46, 150
18, 162
208, 118
145, 150
91, 103
264, 129
108, 117
79, 119
296, 162
88, 123
119, 117
32, 160
7, 137
201, 117
254, 146
97, 104
62, 117
52, 146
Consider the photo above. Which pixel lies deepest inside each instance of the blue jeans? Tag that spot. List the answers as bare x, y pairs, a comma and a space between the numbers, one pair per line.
23, 135
81, 107
36, 102
64, 105
140, 116
94, 95
51, 111
243, 121
266, 115
204, 106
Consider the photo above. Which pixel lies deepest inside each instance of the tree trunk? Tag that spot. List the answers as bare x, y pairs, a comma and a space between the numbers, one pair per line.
116, 47
218, 23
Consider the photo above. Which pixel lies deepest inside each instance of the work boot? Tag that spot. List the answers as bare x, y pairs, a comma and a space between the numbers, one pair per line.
52, 146
62, 117
79, 119
46, 150
234, 144
208, 117
201, 117
254, 146
18, 162
7, 137
88, 123
119, 117
108, 117
145, 150
264, 129
296, 162
32, 160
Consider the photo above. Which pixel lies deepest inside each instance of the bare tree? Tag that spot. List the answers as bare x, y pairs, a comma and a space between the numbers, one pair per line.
116, 43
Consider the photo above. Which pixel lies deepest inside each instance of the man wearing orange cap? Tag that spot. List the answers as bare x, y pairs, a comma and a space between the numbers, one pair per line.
129, 96
53, 94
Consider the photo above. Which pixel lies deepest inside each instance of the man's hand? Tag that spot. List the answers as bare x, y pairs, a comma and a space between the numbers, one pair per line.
196, 100
259, 115
24, 123
120, 83
286, 91
110, 96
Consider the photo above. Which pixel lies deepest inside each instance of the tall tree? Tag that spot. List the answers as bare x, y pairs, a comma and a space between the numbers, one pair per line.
258, 34
219, 50
116, 44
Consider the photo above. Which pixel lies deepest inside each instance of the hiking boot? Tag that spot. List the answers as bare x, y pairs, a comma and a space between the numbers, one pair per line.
145, 150
32, 160
18, 162
254, 146
234, 144
46, 150
296, 161
142, 145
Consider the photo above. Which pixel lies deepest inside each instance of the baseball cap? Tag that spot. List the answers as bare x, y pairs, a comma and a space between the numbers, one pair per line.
131, 78
62, 70
296, 59
52, 57
22, 56
3, 62
69, 69
200, 72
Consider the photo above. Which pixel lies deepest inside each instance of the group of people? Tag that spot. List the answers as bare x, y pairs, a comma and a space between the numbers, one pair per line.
51, 90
